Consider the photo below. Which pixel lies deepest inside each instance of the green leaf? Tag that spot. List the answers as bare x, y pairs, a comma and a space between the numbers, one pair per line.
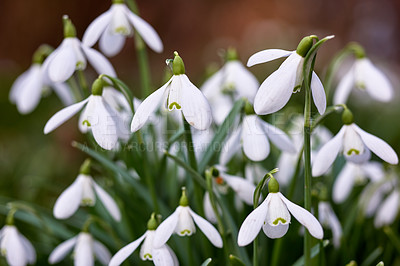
220, 135
206, 262
119, 84
314, 252
260, 186
235, 261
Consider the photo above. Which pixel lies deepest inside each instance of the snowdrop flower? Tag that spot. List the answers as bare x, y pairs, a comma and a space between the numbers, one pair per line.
180, 94
71, 55
15, 247
388, 210
274, 217
329, 219
181, 223
253, 135
276, 90
355, 144
355, 173
114, 25
365, 76
29, 87
83, 193
231, 82
98, 116
160, 256
85, 251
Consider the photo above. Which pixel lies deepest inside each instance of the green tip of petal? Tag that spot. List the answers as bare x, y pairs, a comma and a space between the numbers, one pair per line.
304, 46
69, 28
347, 117
273, 185
178, 67
85, 167
184, 201
152, 224
97, 87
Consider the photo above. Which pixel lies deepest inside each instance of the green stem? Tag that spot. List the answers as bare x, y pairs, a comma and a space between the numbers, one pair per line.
295, 175
10, 216
83, 83
78, 95
255, 252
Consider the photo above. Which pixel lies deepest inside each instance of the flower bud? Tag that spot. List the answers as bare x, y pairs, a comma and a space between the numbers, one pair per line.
215, 172
69, 28
347, 117
177, 65
184, 201
304, 46
85, 167
97, 87
273, 185
152, 224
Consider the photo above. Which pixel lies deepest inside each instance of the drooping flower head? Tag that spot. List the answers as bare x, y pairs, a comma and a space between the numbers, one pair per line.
277, 89
177, 94
113, 26
182, 223
71, 55
231, 82
163, 255
274, 217
83, 192
85, 250
355, 144
364, 76
30, 86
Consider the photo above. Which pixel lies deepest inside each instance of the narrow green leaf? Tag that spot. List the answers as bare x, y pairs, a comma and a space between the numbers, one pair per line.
220, 135
372, 257
260, 186
314, 252
235, 261
120, 85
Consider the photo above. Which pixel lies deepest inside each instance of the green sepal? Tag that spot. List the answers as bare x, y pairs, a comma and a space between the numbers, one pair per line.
152, 224
273, 185
347, 117
97, 87
304, 46
41, 54
69, 28
178, 67
85, 167
231, 54
248, 109
117, 1
184, 201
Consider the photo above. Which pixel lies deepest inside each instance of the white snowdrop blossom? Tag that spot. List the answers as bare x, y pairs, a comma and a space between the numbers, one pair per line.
72, 55
231, 82
17, 250
253, 135
83, 192
365, 76
178, 94
31, 85
388, 210
114, 25
181, 222
85, 250
274, 218
277, 89
98, 116
329, 219
355, 144
162, 256
352, 174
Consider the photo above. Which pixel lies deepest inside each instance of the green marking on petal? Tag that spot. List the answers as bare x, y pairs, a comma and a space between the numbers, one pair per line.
171, 106
148, 256
80, 65
349, 152
87, 202
279, 219
186, 232
122, 30
297, 89
86, 122
3, 251
360, 85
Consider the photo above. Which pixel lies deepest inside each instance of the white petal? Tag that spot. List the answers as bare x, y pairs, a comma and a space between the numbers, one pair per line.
278, 137
62, 250
162, 256
252, 224
63, 115
327, 216
373, 170
245, 82
276, 90
388, 210
277, 212
344, 183
29, 249
275, 231
110, 43
195, 107
14, 247
148, 107
103, 123
96, 28
166, 228
353, 147
146, 31
63, 92
83, 251
185, 226
243, 188
146, 251
19, 83
327, 154
286, 165
231, 146
344, 87
174, 258
375, 81
208, 229
63, 64
124, 253
101, 252
378, 146
108, 202
30, 91
255, 141
208, 209
99, 62
304, 217
68, 202
318, 93
266, 56
212, 87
